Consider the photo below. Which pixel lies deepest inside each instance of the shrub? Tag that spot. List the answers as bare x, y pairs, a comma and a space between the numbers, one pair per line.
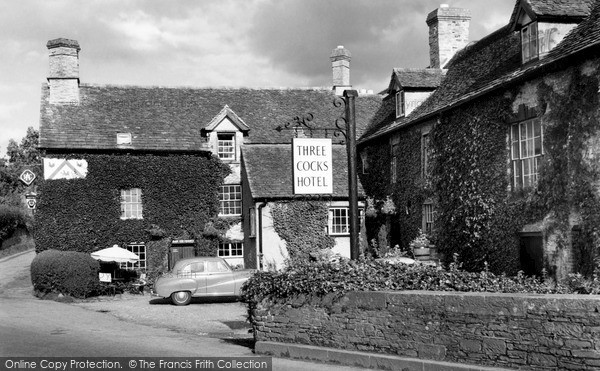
67, 272
11, 218
323, 278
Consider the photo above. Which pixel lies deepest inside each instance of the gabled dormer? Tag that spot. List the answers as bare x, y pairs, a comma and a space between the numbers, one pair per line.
411, 87
543, 24
225, 134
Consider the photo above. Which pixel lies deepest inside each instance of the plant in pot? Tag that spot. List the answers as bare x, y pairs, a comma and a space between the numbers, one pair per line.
420, 246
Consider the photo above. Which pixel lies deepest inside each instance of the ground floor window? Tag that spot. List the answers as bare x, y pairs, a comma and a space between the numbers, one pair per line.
339, 220
140, 250
231, 250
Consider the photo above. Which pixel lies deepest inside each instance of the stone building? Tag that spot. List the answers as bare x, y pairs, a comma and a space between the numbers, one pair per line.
500, 163
132, 165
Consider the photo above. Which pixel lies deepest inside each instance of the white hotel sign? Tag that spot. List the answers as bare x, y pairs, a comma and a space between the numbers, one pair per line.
313, 170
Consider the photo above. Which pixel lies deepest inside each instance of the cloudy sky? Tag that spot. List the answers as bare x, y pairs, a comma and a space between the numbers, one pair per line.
214, 43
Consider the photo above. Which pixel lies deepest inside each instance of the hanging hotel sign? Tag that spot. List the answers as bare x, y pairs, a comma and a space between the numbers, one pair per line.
56, 168
313, 170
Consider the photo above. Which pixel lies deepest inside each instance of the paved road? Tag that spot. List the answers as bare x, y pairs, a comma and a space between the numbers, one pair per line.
33, 327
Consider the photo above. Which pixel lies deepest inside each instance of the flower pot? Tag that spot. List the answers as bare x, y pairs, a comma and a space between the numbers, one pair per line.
422, 253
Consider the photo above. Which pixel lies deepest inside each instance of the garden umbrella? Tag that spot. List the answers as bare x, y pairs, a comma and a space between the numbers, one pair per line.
115, 254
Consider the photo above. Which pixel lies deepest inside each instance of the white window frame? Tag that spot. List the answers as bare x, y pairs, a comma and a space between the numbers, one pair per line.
529, 42
231, 250
400, 104
131, 204
140, 250
230, 200
524, 155
343, 216
226, 147
338, 225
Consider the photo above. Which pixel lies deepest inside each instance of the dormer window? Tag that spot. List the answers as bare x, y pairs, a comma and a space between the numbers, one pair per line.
399, 104
529, 42
226, 146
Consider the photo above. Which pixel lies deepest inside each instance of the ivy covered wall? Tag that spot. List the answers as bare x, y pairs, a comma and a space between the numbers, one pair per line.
477, 213
301, 224
179, 196
408, 193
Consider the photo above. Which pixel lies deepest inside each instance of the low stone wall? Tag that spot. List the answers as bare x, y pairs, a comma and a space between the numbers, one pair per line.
549, 332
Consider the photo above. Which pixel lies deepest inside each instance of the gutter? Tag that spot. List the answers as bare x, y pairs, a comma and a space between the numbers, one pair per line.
259, 253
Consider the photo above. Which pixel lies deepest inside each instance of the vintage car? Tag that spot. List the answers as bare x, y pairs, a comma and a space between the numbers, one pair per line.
200, 277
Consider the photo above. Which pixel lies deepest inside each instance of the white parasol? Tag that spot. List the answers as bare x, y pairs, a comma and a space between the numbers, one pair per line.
115, 254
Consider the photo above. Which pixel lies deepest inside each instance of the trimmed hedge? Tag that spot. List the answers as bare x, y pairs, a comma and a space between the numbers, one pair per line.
67, 272
320, 278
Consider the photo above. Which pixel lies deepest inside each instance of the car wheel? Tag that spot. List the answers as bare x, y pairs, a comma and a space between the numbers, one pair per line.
181, 297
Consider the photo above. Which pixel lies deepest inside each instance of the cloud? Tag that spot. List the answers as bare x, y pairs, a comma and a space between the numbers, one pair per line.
250, 43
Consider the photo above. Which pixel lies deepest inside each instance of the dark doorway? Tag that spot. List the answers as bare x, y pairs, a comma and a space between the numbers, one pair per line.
532, 254
180, 250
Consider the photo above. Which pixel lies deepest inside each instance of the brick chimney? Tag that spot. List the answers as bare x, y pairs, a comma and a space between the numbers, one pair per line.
448, 33
63, 74
340, 64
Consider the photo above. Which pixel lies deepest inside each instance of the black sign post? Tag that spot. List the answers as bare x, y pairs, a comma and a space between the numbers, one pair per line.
349, 97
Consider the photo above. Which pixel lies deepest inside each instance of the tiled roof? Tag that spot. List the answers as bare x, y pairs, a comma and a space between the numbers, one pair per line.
269, 171
553, 10
170, 119
418, 78
560, 8
489, 64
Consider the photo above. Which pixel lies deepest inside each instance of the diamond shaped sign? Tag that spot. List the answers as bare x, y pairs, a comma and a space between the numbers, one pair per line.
27, 176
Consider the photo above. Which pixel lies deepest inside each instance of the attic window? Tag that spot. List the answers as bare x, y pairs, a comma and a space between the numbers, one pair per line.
529, 42
123, 138
399, 104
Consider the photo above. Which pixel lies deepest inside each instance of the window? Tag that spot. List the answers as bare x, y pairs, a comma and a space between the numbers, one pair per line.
339, 221
529, 42
425, 154
231, 250
364, 159
526, 151
131, 203
138, 249
226, 146
394, 163
399, 104
192, 269
427, 218
216, 266
230, 199
252, 216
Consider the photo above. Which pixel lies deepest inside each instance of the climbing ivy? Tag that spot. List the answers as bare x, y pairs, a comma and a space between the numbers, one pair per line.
478, 216
301, 225
179, 196
570, 176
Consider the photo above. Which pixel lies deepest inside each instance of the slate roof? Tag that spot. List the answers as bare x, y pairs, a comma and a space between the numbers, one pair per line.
417, 77
269, 171
170, 118
554, 9
490, 64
